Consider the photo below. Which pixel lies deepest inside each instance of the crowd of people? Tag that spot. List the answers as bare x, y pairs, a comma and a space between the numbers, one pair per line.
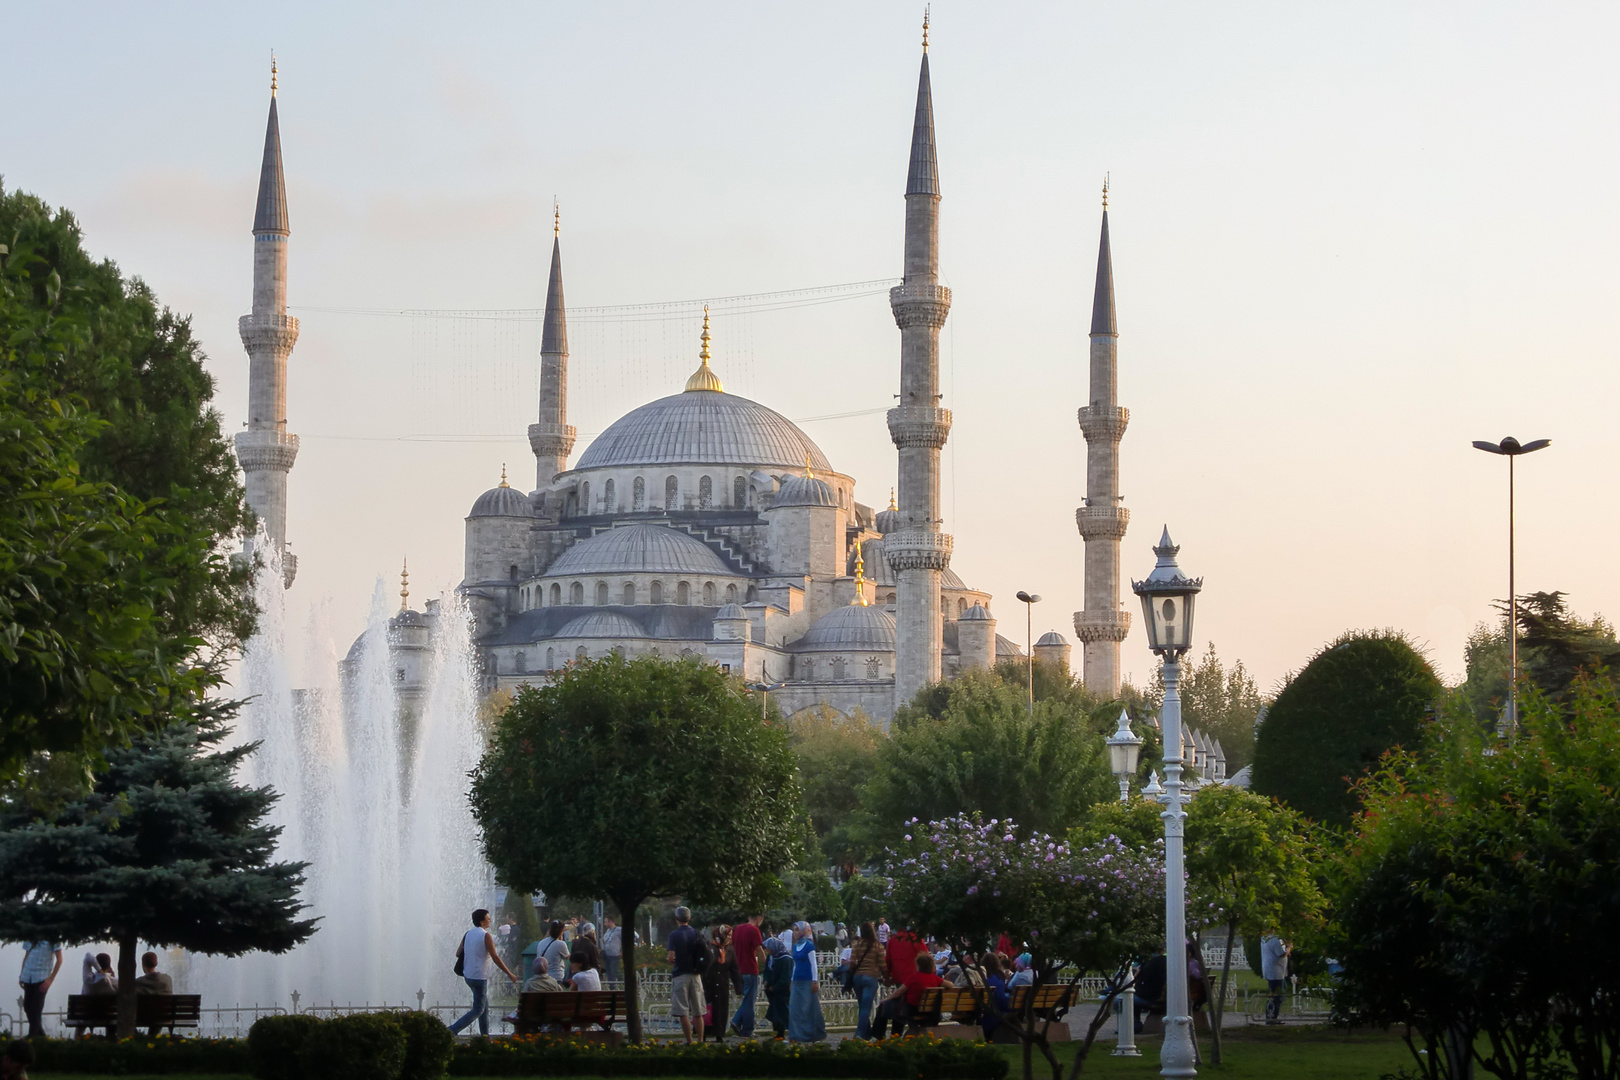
42, 962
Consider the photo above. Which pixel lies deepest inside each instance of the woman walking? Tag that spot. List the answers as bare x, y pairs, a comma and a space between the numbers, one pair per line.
720, 977
476, 950
777, 979
866, 965
805, 1022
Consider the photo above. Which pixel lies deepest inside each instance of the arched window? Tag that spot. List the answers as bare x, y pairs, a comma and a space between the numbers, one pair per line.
607, 498
683, 593
751, 595
807, 668
731, 594
708, 594
656, 593
601, 594
576, 595
556, 594
871, 667
551, 659
638, 495
672, 493
521, 663
579, 654
705, 493
838, 667
585, 498
739, 493
571, 507
629, 593
891, 598
961, 606
512, 572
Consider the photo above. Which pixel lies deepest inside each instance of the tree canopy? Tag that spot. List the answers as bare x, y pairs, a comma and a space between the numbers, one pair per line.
165, 848
1222, 703
639, 778
1361, 695
1555, 646
836, 755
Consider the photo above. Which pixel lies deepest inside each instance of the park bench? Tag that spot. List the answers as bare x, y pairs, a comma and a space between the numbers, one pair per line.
151, 1011
539, 1010
967, 1006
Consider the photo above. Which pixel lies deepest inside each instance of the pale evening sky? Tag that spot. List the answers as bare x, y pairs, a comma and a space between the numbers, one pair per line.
1348, 239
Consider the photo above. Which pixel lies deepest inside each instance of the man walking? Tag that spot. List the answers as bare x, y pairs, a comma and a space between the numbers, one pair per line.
612, 949
687, 957
749, 946
1274, 969
476, 951
38, 972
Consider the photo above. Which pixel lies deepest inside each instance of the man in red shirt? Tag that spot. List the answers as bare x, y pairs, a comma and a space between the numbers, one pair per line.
748, 945
903, 949
901, 1006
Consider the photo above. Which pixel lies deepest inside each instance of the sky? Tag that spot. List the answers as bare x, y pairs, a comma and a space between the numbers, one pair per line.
1348, 239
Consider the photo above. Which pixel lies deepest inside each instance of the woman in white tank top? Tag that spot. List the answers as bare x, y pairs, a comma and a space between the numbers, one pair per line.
476, 951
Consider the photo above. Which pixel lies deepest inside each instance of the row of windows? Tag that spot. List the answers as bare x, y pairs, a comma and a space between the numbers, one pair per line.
743, 496
556, 657
628, 595
837, 669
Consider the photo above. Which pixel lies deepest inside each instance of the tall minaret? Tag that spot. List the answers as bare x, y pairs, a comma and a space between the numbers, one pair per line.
918, 551
552, 438
266, 450
1103, 624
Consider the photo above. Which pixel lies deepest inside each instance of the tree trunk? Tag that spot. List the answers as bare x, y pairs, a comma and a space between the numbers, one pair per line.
1217, 1010
632, 996
127, 944
1116, 986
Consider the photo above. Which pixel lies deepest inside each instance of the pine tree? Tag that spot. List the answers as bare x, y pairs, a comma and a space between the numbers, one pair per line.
165, 847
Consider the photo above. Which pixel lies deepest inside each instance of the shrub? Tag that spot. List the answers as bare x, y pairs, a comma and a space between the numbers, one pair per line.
364, 1046
140, 1055
276, 1044
429, 1046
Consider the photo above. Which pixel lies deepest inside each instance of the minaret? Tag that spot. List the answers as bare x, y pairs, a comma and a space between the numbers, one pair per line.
266, 450
1102, 520
918, 551
553, 438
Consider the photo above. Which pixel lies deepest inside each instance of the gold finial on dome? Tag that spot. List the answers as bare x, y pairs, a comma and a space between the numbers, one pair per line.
503, 475
892, 504
860, 577
925, 26
404, 585
704, 377
809, 473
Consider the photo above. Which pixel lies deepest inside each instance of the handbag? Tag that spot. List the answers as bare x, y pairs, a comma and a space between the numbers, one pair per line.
848, 979
461, 960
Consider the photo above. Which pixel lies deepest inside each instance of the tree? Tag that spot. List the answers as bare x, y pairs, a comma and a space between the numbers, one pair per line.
165, 848
965, 880
1555, 646
986, 753
674, 788
836, 756
1361, 695
138, 463
1476, 899
1223, 704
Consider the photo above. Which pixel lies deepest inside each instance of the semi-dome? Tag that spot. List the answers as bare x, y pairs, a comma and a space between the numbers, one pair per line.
502, 501
804, 491
601, 624
640, 549
703, 427
730, 611
856, 628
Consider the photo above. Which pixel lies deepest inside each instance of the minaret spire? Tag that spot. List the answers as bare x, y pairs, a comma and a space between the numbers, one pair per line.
266, 450
917, 550
552, 438
1102, 520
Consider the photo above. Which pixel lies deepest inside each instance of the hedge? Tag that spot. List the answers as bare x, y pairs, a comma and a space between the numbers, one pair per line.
141, 1055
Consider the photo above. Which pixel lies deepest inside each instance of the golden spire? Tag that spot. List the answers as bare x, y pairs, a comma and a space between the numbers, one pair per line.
892, 504
809, 473
704, 377
860, 576
925, 26
272, 73
404, 585
1105, 191
503, 475
556, 217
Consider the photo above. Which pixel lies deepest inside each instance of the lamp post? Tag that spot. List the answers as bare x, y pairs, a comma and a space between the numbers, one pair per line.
1030, 600
1124, 746
1511, 448
765, 689
1167, 609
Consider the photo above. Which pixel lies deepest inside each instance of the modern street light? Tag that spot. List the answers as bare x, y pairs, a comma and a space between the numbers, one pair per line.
1167, 609
1124, 746
1030, 600
1511, 448
765, 689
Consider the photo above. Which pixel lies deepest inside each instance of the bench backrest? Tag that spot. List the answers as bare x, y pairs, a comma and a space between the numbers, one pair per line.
1047, 996
537, 1006
951, 999
151, 1010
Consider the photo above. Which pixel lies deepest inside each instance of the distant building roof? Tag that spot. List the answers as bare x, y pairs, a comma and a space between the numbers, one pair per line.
640, 549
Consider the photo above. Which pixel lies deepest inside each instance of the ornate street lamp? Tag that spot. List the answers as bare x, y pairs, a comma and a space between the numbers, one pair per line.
1124, 746
1167, 609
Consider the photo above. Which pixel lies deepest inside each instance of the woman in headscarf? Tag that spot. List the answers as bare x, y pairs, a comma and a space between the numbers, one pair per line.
805, 1023
778, 979
720, 977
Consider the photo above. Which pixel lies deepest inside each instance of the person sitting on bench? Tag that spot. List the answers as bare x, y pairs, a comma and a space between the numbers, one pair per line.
152, 981
901, 1006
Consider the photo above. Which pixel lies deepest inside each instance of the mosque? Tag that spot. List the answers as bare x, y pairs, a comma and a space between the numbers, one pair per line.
703, 524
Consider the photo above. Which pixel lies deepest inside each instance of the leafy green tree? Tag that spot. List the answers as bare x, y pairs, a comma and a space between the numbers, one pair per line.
986, 752
1476, 899
1222, 703
1361, 695
1555, 646
836, 756
674, 788
166, 848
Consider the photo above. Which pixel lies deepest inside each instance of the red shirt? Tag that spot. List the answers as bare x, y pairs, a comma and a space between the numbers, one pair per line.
745, 942
903, 950
916, 983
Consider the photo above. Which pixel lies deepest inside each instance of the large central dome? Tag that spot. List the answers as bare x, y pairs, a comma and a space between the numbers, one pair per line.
703, 427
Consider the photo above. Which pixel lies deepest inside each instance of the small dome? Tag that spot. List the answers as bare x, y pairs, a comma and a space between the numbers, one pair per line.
601, 624
1007, 647
855, 628
888, 520
502, 501
1052, 637
640, 549
731, 611
977, 613
804, 491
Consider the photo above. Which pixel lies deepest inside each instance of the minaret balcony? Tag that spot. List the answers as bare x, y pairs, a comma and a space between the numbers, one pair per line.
1102, 522
1102, 625
277, 333
919, 305
258, 449
917, 549
1106, 422
919, 425
547, 440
